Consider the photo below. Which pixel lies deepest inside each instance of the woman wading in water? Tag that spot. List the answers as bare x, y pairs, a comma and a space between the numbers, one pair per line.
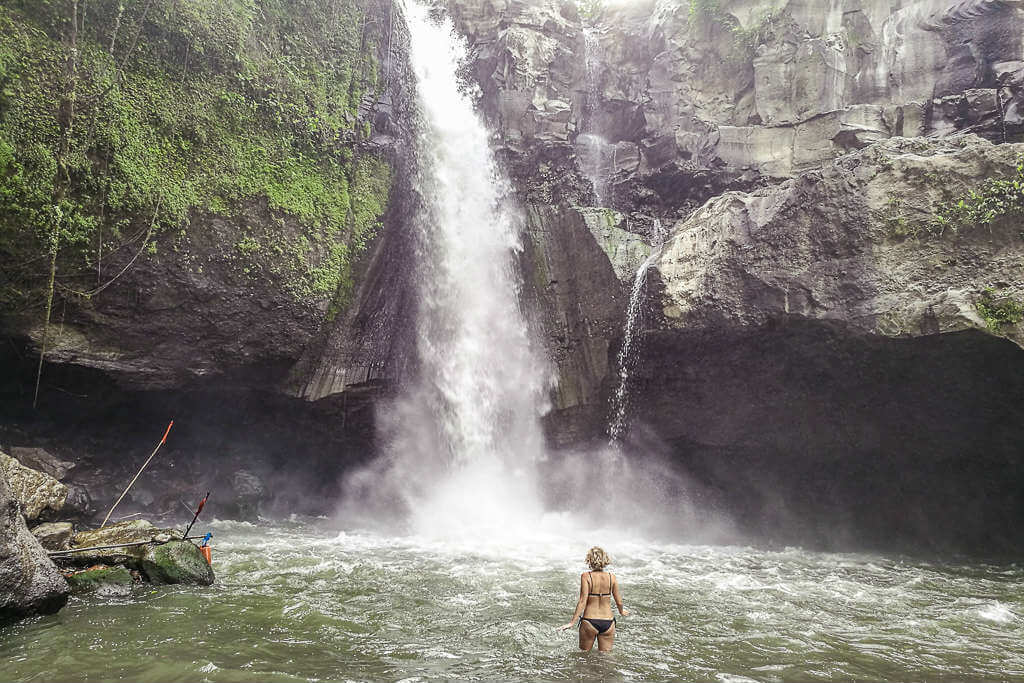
594, 608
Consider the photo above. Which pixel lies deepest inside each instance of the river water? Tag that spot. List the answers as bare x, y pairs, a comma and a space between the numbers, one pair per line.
302, 601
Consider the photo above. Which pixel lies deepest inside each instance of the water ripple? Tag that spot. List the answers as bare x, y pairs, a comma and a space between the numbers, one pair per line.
299, 602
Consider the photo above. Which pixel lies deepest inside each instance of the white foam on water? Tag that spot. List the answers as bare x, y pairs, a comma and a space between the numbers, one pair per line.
998, 613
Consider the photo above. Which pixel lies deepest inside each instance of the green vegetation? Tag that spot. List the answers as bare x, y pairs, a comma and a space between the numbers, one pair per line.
999, 312
102, 579
745, 40
184, 108
995, 198
895, 219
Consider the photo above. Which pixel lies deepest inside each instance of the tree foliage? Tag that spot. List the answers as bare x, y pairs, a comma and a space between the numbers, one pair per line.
184, 108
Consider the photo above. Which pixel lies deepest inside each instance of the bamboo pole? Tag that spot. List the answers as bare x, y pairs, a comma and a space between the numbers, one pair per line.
69, 551
128, 488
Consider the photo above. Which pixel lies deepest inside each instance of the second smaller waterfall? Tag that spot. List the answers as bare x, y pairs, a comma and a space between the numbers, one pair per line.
627, 357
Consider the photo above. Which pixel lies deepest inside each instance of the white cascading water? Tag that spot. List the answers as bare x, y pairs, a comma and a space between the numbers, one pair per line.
463, 439
627, 358
596, 161
596, 155
462, 445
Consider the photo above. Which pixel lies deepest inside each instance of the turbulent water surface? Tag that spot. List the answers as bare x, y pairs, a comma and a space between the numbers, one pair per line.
302, 602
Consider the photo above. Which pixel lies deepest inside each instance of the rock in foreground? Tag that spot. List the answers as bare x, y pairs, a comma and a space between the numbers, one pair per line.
42, 460
29, 582
39, 493
103, 580
160, 560
176, 562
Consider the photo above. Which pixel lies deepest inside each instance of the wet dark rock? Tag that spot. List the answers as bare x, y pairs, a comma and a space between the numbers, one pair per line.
54, 535
29, 582
79, 504
575, 260
247, 495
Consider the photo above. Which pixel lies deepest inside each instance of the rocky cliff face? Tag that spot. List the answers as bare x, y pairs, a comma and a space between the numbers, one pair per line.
863, 243
829, 330
832, 326
651, 108
853, 372
247, 251
681, 92
230, 267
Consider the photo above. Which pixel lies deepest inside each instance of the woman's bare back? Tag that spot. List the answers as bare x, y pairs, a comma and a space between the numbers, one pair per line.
594, 608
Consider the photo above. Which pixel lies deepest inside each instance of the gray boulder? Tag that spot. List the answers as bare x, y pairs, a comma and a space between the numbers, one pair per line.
39, 493
54, 535
102, 580
176, 562
42, 460
29, 582
134, 531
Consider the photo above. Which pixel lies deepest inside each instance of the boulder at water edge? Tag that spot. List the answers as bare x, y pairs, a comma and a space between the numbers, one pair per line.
176, 562
29, 582
134, 531
162, 561
102, 580
40, 494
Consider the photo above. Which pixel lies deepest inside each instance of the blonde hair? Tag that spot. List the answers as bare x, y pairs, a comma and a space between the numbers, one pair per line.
598, 559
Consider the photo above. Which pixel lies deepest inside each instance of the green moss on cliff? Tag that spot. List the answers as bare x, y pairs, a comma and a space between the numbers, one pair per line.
999, 312
994, 199
219, 103
997, 202
745, 39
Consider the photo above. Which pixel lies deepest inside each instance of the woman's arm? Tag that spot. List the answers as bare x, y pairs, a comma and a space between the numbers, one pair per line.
580, 604
618, 597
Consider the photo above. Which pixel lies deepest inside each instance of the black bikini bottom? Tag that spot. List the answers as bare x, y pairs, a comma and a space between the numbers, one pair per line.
601, 625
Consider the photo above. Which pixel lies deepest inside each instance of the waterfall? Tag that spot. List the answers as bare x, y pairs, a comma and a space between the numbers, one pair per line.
595, 158
591, 63
627, 357
461, 439
596, 155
